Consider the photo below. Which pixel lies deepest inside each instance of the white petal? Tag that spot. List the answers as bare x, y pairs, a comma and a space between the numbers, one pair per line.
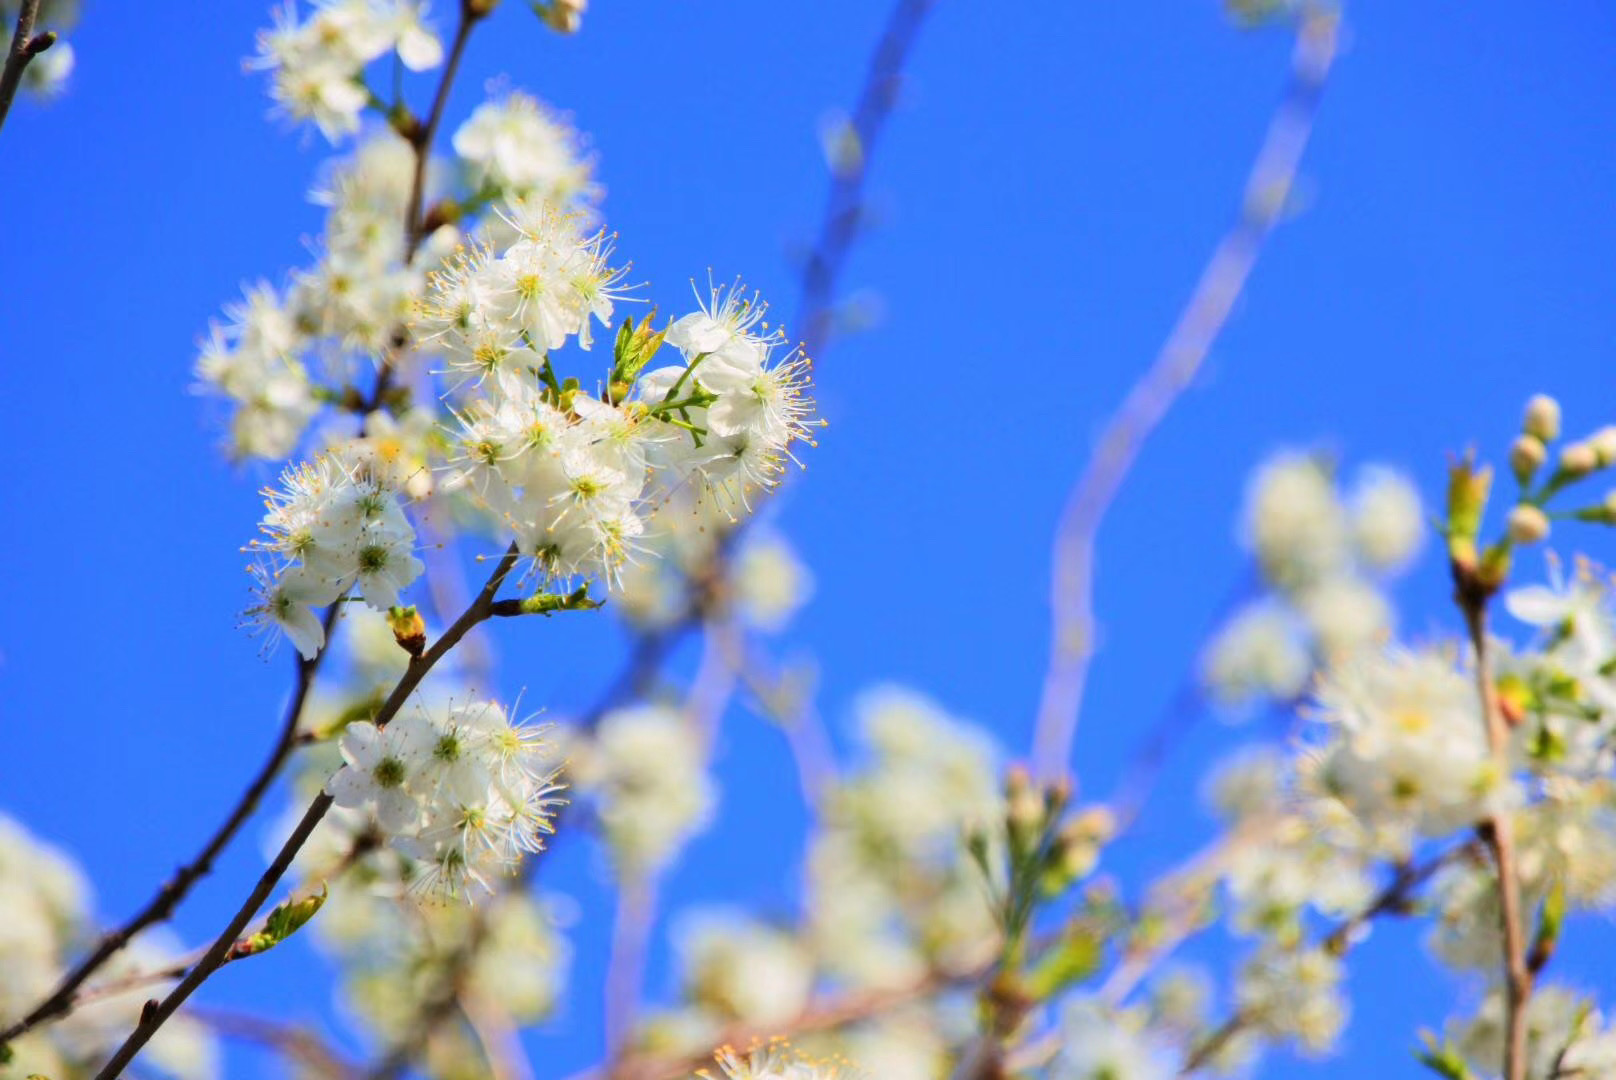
1537, 605
350, 787
419, 48
361, 745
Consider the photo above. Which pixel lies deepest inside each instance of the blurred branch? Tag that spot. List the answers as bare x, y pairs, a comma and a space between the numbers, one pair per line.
25, 45
293, 1043
844, 206
789, 708
1397, 898
828, 1015
1072, 586
625, 964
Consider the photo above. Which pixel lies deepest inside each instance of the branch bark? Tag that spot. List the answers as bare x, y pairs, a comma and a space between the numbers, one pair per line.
25, 45
161, 907
1499, 835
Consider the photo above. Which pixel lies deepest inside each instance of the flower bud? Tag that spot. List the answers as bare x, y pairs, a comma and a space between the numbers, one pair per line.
1578, 459
1526, 456
1024, 809
409, 629
1528, 525
1604, 443
1542, 418
1468, 488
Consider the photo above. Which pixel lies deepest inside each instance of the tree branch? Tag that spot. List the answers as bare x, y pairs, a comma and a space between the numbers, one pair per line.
1498, 834
218, 954
1072, 583
161, 907
1397, 898
25, 45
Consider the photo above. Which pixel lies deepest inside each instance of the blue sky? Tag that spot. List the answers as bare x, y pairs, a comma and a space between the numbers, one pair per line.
1050, 187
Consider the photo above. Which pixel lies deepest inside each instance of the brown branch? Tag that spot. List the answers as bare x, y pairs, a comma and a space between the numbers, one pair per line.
1072, 582
828, 1015
218, 954
294, 1043
25, 45
161, 907
421, 136
1498, 833
1397, 898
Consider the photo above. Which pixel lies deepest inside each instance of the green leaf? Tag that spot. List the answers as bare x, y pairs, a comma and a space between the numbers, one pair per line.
1072, 959
1443, 1059
287, 918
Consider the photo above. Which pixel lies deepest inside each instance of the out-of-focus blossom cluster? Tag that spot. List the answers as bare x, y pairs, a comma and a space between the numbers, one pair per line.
1325, 557
47, 925
644, 772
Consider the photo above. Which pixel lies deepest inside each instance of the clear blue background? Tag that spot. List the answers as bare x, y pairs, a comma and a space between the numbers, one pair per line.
1051, 186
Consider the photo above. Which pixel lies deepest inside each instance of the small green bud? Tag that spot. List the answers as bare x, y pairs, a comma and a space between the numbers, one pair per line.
287, 918
409, 629
1443, 1059
1468, 489
1542, 420
1069, 961
1025, 808
1550, 918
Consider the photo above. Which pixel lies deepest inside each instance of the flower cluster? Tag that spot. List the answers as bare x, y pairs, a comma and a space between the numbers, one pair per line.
318, 63
575, 477
516, 145
330, 529
1325, 556
890, 890
281, 355
460, 789
46, 926
1405, 744
777, 1060
645, 772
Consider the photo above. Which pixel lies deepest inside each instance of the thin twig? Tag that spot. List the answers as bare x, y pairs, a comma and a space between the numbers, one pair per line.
1397, 898
828, 1015
63, 999
218, 953
25, 45
625, 963
1498, 833
498, 1034
294, 1043
421, 137
1072, 583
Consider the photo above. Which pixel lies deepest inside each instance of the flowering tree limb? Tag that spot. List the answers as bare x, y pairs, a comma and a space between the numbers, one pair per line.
218, 954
